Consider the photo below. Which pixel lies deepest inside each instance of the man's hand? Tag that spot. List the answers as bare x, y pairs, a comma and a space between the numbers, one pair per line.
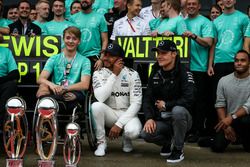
187, 34
114, 132
154, 34
230, 134
210, 71
69, 96
224, 123
150, 126
168, 33
118, 65
98, 64
57, 89
160, 104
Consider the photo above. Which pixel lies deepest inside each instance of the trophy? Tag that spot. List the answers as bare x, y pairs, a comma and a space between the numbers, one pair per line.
15, 131
46, 131
72, 144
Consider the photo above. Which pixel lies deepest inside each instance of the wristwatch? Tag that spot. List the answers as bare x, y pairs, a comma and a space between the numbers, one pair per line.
234, 116
194, 37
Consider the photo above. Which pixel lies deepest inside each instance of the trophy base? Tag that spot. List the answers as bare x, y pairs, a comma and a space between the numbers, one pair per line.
70, 165
14, 162
46, 163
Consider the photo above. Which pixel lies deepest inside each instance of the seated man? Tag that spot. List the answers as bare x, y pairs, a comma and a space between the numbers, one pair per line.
70, 72
118, 91
233, 106
167, 103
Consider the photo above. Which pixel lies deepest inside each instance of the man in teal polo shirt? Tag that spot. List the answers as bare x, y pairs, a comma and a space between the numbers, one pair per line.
69, 69
8, 79
200, 30
94, 32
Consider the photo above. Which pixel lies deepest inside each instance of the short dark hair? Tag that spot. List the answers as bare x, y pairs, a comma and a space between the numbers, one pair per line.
244, 51
216, 7
63, 1
176, 4
23, 1
74, 2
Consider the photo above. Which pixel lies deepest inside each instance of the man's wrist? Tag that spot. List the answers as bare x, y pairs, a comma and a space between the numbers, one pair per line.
194, 36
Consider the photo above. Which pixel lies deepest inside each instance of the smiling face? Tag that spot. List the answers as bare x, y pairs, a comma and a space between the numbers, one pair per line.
76, 7
228, 4
193, 7
24, 10
134, 7
109, 60
166, 59
71, 41
214, 13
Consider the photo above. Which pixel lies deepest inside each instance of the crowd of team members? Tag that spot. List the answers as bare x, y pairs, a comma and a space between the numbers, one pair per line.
86, 28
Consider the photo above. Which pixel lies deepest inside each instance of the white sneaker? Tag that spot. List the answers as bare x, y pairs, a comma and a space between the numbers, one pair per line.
127, 145
100, 151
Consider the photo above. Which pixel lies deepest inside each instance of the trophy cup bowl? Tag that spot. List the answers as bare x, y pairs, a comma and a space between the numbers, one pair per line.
46, 131
15, 131
72, 145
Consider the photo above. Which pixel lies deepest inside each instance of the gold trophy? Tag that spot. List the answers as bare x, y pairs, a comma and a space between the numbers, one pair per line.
15, 131
72, 143
46, 131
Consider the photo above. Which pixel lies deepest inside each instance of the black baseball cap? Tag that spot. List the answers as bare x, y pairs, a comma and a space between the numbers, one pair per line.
165, 45
115, 50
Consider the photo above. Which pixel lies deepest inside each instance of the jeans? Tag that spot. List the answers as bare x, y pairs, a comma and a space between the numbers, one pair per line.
171, 131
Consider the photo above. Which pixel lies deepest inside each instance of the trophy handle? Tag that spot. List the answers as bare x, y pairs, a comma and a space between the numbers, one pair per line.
72, 150
46, 132
15, 135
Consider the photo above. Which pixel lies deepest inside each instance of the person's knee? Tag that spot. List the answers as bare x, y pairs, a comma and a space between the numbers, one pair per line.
132, 131
43, 90
146, 136
97, 108
179, 113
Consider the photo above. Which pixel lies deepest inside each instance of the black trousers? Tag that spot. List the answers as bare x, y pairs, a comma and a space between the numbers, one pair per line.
241, 127
7, 90
220, 70
201, 105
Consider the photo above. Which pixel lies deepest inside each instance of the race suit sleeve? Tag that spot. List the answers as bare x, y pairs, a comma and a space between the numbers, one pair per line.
135, 101
102, 90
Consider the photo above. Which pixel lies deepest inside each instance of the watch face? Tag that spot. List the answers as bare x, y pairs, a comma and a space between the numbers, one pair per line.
234, 116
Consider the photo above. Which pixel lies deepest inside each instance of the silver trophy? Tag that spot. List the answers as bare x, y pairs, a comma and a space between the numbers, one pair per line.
15, 131
72, 144
46, 131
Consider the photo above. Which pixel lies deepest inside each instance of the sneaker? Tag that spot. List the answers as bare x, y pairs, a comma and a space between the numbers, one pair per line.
176, 156
100, 151
165, 151
127, 145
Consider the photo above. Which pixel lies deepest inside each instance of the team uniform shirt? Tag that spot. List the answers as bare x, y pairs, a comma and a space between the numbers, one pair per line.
247, 33
153, 24
202, 27
147, 14
233, 93
122, 92
102, 6
41, 25
9, 21
56, 28
7, 62
134, 27
56, 65
91, 26
176, 25
4, 23
229, 30
67, 7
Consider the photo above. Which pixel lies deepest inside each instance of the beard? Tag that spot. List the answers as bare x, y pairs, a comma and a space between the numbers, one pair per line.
86, 6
